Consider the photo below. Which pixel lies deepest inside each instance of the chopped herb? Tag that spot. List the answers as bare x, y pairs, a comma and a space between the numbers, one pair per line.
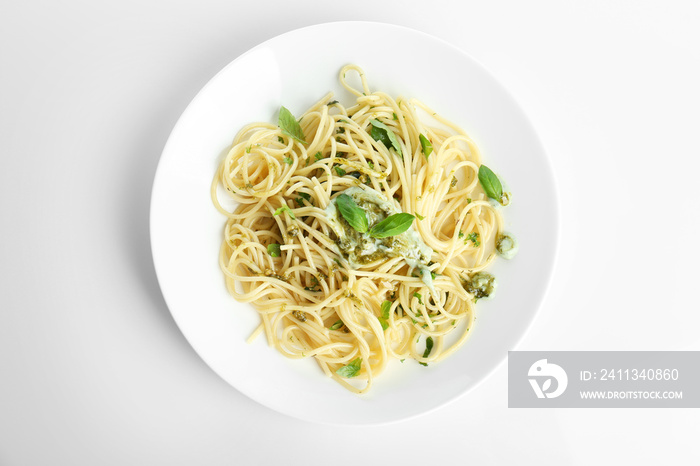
333, 102
469, 200
354, 214
303, 196
428, 349
312, 288
339, 171
402, 360
420, 217
382, 133
288, 160
453, 183
461, 234
247, 149
426, 146
384, 318
318, 155
337, 325
395, 117
350, 370
474, 238
274, 250
392, 225
300, 315
433, 275
289, 125
371, 165
284, 208
280, 139
419, 296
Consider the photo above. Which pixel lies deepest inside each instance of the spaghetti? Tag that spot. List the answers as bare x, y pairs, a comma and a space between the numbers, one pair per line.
351, 305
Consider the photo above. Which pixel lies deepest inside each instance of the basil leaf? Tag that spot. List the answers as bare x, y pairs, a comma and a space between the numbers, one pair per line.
283, 209
384, 318
274, 250
426, 146
392, 225
354, 214
318, 155
382, 133
350, 370
339, 171
490, 182
288, 160
337, 325
428, 349
289, 125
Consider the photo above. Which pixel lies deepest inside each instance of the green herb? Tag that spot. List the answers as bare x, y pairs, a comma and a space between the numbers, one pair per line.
311, 288
339, 171
453, 182
318, 155
474, 238
289, 125
419, 296
420, 217
395, 117
428, 349
491, 184
469, 200
333, 102
392, 225
280, 139
382, 133
247, 149
461, 234
337, 325
274, 250
284, 208
426, 146
350, 370
288, 160
433, 275
384, 318
354, 214
371, 165
305, 196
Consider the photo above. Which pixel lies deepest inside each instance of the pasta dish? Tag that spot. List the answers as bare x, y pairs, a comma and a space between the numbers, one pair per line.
362, 233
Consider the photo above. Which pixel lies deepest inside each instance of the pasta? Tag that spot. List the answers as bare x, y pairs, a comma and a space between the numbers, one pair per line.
325, 289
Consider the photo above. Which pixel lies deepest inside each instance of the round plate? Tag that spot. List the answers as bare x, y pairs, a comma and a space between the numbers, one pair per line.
295, 70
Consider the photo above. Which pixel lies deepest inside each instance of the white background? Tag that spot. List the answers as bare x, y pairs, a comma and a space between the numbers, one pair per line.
93, 370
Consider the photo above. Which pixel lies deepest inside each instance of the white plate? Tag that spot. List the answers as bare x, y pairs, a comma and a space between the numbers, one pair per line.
296, 69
